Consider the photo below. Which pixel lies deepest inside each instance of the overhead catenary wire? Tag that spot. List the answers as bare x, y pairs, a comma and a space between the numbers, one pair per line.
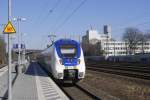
44, 5
144, 23
62, 14
122, 26
70, 15
50, 11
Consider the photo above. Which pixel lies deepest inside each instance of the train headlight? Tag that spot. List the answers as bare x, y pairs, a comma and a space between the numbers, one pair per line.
59, 75
81, 74
60, 61
78, 61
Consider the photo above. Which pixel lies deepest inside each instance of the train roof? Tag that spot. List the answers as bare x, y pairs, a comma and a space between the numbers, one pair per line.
66, 41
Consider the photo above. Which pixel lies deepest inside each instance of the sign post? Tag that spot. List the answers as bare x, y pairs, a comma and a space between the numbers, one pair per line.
9, 29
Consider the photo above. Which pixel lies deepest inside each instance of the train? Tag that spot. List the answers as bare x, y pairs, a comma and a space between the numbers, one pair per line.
64, 59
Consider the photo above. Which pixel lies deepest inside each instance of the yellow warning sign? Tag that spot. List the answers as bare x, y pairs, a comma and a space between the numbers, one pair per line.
9, 28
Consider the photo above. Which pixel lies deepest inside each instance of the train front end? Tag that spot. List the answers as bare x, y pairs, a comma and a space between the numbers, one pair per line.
70, 63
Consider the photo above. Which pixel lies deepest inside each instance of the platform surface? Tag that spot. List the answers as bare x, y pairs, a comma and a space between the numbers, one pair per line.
35, 84
4, 81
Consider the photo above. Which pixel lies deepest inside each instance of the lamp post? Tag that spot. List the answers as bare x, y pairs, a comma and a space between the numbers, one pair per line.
107, 46
9, 56
23, 47
114, 50
19, 19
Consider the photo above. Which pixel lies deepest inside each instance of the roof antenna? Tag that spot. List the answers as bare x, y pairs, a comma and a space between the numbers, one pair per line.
91, 27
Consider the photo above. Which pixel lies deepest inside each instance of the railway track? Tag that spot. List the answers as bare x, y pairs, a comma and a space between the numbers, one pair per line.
126, 68
130, 71
74, 91
118, 63
77, 92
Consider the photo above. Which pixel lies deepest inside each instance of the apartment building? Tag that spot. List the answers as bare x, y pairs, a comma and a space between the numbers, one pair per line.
112, 47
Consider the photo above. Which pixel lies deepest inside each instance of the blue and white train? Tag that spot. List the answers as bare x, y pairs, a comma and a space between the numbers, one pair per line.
64, 60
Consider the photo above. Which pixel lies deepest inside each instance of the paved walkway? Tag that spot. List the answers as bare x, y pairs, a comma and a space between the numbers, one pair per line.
36, 85
4, 81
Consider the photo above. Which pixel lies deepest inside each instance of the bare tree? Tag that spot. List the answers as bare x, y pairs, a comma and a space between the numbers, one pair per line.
98, 48
144, 38
132, 36
88, 49
2, 51
147, 35
92, 49
143, 42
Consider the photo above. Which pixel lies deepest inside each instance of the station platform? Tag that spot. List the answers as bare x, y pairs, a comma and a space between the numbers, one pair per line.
35, 84
4, 81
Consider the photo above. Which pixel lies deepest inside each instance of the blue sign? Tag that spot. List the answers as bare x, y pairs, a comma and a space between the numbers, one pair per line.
15, 46
22, 46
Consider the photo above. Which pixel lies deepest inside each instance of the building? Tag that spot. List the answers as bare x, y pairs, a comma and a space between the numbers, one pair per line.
92, 36
110, 46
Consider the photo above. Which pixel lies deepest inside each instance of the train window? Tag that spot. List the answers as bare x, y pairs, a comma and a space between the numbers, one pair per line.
68, 50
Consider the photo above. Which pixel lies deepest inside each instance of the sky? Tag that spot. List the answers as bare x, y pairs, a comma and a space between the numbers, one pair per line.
72, 18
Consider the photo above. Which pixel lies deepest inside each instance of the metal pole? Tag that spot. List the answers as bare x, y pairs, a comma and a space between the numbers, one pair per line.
19, 19
18, 44
114, 51
107, 46
79, 38
21, 43
9, 55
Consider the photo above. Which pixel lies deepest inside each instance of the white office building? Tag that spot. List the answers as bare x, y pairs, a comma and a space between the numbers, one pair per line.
110, 46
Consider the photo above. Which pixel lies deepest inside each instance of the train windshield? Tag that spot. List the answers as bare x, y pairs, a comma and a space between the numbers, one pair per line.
68, 50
